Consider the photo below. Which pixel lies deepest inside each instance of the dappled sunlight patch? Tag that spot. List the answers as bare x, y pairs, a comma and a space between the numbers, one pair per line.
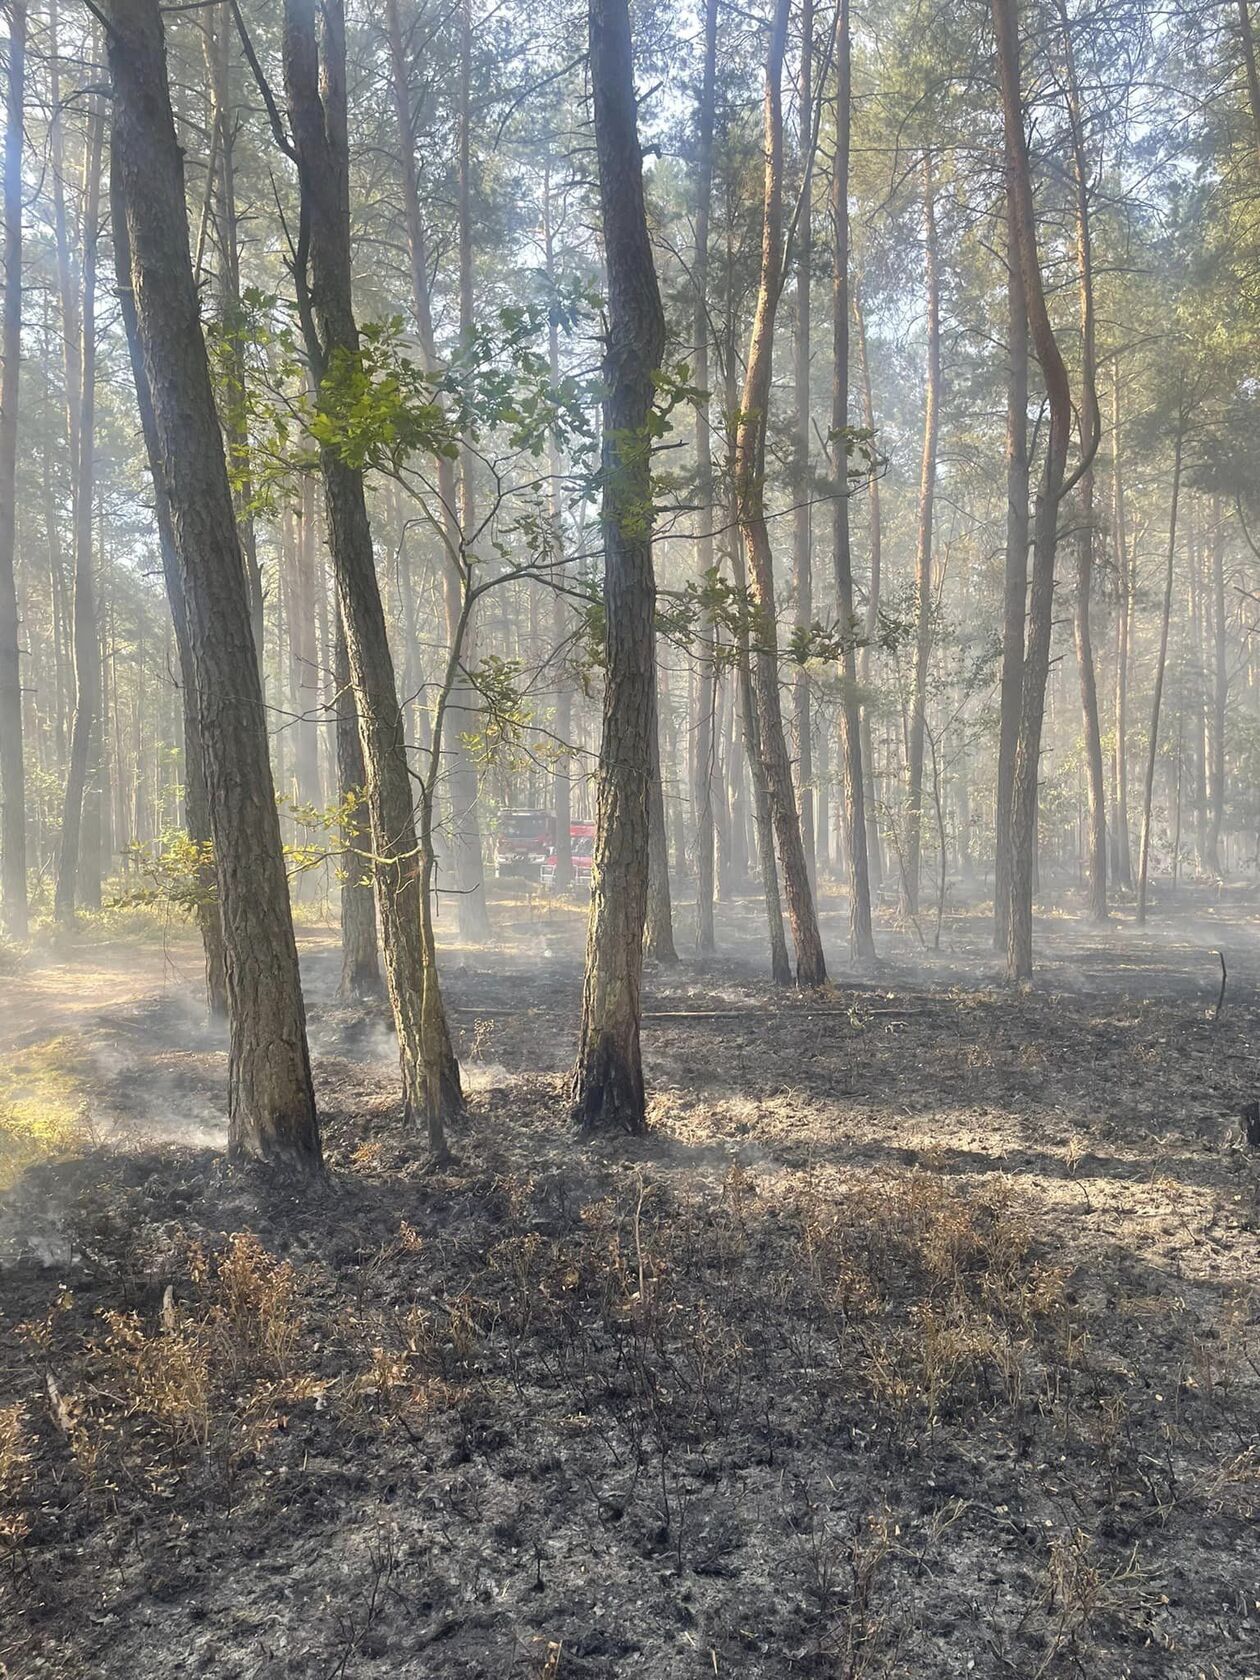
43, 1104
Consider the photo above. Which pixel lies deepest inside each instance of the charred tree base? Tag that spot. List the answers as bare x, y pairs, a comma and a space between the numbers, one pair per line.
608, 1095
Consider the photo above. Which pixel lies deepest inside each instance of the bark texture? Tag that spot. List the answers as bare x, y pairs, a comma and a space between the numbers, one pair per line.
271, 1100
608, 1079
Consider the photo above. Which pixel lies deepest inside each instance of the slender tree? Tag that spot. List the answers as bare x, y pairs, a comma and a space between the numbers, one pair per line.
12, 762
861, 938
1054, 486
923, 549
749, 471
314, 73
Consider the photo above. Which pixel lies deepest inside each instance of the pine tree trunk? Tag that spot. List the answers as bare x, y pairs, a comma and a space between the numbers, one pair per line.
870, 628
219, 41
317, 113
1046, 516
196, 803
1015, 576
658, 933
750, 450
923, 551
1124, 569
360, 960
271, 1100
12, 762
85, 729
706, 702
1157, 696
1096, 814
1220, 698
861, 938
608, 1090
802, 517
562, 617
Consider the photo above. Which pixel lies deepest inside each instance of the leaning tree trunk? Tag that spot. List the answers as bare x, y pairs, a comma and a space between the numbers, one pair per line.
1161, 665
271, 1100
12, 765
750, 466
196, 803
923, 553
861, 938
1050, 494
85, 731
317, 114
608, 1079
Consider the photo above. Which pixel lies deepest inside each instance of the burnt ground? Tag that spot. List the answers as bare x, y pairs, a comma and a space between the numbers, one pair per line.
921, 1338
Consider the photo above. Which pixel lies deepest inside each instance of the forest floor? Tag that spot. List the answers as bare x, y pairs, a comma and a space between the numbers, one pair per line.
920, 1338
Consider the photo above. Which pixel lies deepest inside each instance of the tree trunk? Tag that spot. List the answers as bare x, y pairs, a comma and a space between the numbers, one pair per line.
706, 704
85, 730
1015, 579
562, 625
1096, 814
317, 112
658, 933
1161, 663
12, 764
1050, 494
457, 510
1120, 550
803, 513
608, 1078
271, 1101
219, 39
870, 629
750, 450
861, 938
196, 804
1220, 698
923, 552
470, 885
1249, 64
360, 961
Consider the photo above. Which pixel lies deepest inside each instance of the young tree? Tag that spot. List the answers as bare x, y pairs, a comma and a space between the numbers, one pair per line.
314, 73
85, 733
608, 1090
749, 473
706, 707
1054, 486
923, 551
271, 1099
861, 938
